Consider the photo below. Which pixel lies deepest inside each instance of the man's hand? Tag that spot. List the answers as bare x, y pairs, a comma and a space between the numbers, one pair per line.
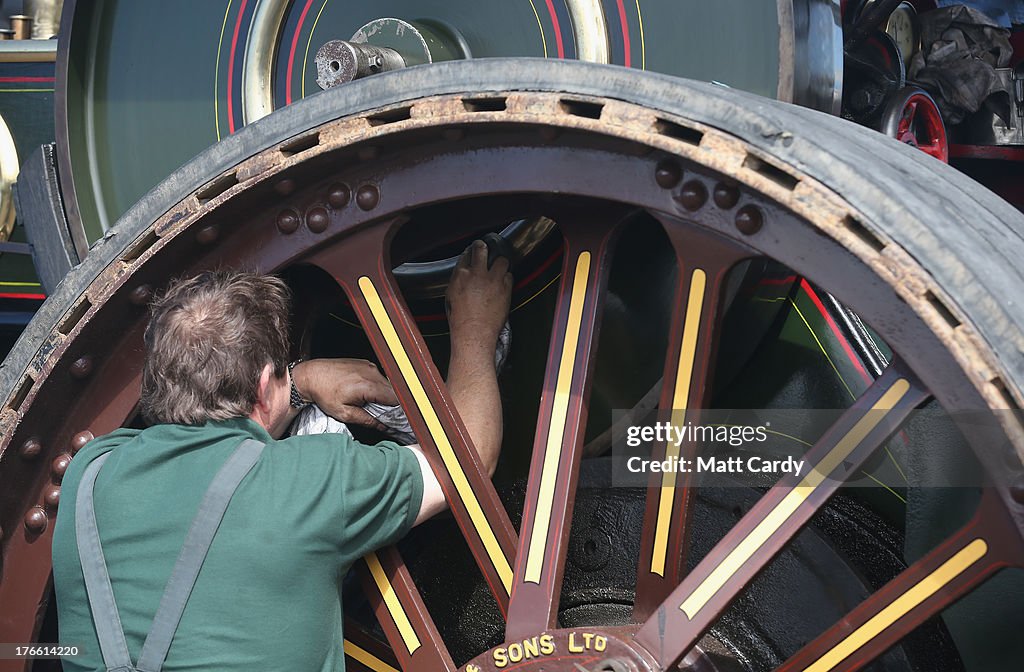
478, 299
478, 303
340, 387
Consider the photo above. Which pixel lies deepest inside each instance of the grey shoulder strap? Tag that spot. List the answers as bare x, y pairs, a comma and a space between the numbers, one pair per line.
183, 577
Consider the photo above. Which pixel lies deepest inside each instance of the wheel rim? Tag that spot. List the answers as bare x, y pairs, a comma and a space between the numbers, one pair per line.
671, 167
914, 119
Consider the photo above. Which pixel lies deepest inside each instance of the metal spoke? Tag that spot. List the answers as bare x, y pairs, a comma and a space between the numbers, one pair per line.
704, 262
960, 564
442, 436
765, 530
364, 652
554, 470
409, 628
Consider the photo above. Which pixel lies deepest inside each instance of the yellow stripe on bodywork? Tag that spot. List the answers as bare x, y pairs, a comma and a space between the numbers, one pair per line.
361, 655
902, 605
784, 509
391, 601
437, 433
556, 427
680, 402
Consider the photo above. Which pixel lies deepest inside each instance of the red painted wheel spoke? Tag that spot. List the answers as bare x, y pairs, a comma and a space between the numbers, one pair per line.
953, 569
444, 439
414, 638
704, 262
909, 114
765, 530
554, 471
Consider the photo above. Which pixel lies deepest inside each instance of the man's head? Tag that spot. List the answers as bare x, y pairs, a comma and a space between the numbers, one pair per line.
208, 342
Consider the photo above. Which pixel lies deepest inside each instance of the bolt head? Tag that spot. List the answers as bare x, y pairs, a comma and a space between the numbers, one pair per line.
81, 368
692, 196
59, 466
285, 187
31, 448
35, 520
141, 295
338, 195
207, 235
51, 496
749, 220
667, 174
287, 221
79, 440
726, 195
318, 219
367, 197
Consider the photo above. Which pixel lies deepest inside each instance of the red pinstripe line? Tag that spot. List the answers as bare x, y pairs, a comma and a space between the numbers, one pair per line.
231, 68
625, 32
291, 53
804, 285
11, 80
558, 29
15, 295
777, 281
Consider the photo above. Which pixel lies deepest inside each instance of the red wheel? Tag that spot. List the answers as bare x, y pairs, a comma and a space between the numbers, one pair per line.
913, 117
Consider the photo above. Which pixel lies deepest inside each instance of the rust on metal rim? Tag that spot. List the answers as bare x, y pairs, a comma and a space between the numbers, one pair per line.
714, 150
237, 218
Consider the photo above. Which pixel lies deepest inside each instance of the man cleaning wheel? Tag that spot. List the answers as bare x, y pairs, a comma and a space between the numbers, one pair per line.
251, 581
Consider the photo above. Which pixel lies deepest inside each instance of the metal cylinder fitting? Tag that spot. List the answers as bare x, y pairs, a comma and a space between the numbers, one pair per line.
340, 61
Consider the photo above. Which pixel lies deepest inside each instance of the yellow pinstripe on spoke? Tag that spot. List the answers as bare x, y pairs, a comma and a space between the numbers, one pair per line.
784, 509
556, 428
680, 402
359, 654
437, 433
902, 605
395, 608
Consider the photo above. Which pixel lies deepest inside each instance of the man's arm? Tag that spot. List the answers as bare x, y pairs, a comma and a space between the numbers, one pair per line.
478, 300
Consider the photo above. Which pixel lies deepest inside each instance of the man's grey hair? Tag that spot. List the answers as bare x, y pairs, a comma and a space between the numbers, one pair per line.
207, 342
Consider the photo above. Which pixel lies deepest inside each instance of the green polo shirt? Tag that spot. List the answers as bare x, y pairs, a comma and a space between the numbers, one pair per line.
268, 595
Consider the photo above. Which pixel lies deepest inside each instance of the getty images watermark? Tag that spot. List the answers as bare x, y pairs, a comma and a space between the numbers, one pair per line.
761, 447
667, 433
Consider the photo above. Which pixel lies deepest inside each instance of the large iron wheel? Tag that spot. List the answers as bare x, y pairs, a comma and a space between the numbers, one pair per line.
729, 177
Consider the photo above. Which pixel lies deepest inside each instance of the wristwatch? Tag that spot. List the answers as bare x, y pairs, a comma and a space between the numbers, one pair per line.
296, 399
